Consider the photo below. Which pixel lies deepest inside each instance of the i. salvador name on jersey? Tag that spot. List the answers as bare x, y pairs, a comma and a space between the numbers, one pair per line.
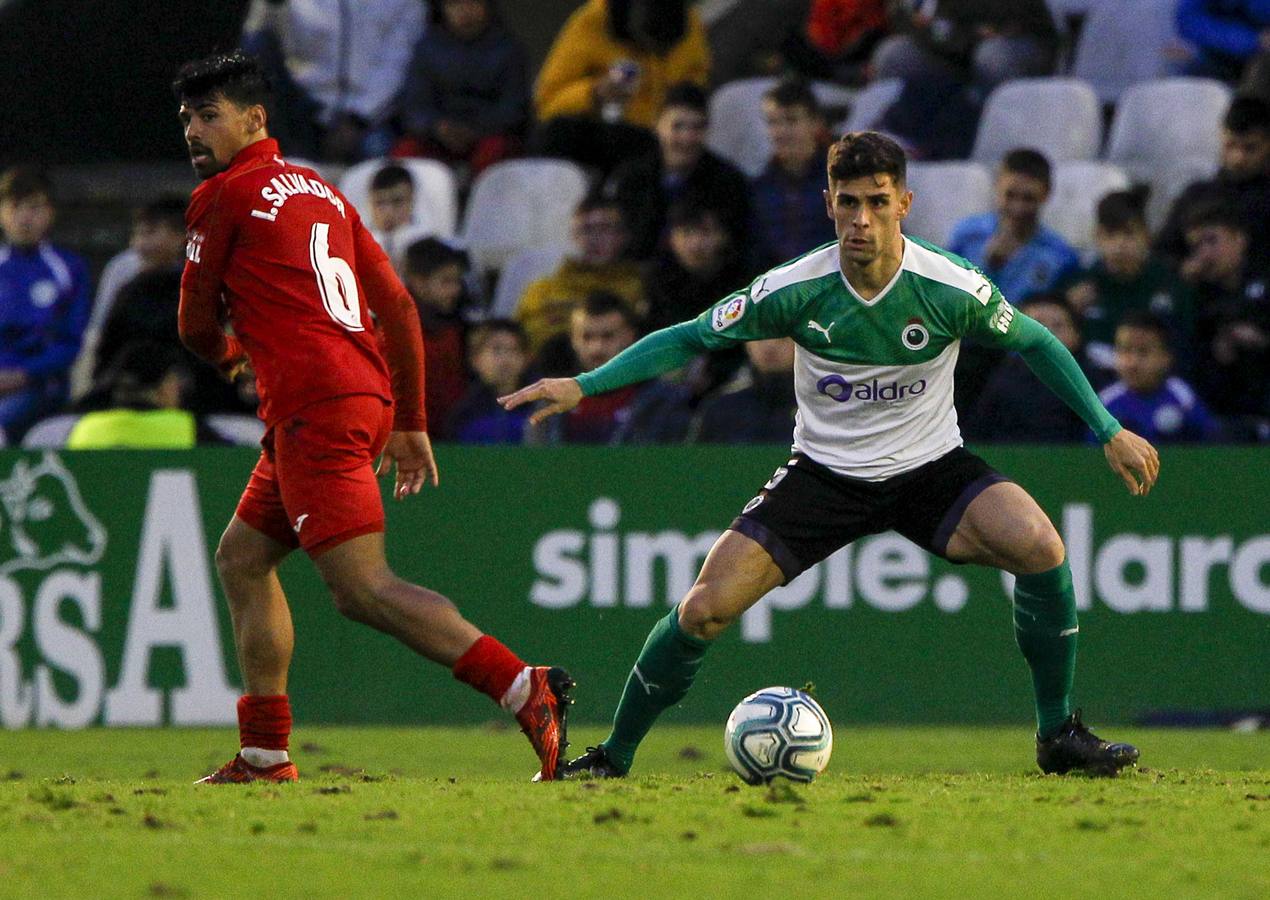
874, 378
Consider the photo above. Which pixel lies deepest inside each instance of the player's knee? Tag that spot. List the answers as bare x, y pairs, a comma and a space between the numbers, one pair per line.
701, 617
234, 559
1045, 549
362, 597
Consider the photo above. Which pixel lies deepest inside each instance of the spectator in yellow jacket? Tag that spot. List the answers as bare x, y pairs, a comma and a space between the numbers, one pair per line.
598, 262
605, 79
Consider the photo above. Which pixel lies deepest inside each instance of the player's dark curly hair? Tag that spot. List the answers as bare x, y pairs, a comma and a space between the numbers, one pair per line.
236, 76
862, 153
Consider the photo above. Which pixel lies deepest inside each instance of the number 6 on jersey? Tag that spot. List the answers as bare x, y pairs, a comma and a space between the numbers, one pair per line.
336, 282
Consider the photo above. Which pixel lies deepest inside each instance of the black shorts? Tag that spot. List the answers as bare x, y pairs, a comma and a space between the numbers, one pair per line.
807, 511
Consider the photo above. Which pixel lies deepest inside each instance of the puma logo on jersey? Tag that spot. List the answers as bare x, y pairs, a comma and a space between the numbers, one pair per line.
760, 290
816, 326
299, 522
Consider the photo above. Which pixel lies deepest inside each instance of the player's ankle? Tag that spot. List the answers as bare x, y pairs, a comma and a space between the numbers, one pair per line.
262, 758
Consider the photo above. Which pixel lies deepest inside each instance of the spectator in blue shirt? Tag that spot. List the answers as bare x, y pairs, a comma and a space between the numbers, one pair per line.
1148, 399
789, 195
1231, 38
1013, 248
499, 354
44, 303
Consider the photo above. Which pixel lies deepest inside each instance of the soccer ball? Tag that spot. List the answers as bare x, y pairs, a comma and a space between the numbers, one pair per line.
778, 731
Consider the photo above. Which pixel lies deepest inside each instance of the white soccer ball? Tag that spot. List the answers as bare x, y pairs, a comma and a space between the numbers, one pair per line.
778, 731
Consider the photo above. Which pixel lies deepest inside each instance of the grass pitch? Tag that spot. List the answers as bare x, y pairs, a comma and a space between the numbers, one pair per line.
902, 812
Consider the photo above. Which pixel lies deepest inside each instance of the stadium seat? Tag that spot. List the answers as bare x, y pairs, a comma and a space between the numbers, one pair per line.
1058, 116
1170, 179
944, 193
1073, 203
1160, 122
871, 104
436, 192
737, 130
520, 270
1123, 43
51, 432
518, 205
245, 431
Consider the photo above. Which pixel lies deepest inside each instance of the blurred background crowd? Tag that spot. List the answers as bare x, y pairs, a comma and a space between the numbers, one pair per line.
1105, 162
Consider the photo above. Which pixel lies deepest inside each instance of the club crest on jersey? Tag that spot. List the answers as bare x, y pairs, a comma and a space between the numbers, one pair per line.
728, 313
915, 336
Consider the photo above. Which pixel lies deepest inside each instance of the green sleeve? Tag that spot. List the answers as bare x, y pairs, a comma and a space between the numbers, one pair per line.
650, 356
736, 318
1058, 370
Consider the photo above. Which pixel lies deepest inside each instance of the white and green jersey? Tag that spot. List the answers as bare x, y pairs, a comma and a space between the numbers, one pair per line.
874, 378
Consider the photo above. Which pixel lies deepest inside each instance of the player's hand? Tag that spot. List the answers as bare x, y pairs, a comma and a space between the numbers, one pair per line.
411, 452
560, 394
1134, 460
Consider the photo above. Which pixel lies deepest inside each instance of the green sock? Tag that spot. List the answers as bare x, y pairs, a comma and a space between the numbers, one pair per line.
662, 675
1046, 631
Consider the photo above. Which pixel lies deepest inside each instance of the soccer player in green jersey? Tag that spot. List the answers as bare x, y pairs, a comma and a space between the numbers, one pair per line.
877, 318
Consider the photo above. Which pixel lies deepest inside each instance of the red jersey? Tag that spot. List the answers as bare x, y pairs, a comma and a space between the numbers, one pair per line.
284, 257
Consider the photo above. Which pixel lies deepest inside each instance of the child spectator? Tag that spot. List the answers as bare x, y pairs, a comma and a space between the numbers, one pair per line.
1149, 400
434, 274
1014, 407
761, 409
499, 353
681, 168
466, 97
598, 263
148, 383
44, 303
605, 79
1011, 245
652, 412
789, 195
1127, 277
396, 218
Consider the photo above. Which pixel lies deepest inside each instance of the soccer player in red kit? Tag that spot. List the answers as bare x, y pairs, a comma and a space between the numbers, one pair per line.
284, 259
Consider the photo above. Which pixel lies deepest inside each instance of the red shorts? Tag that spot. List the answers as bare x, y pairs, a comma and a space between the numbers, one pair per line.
314, 486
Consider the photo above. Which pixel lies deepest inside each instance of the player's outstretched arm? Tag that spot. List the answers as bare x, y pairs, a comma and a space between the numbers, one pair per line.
1133, 459
560, 394
411, 453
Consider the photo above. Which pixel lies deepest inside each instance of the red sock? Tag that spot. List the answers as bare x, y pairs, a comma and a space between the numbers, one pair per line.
264, 722
489, 667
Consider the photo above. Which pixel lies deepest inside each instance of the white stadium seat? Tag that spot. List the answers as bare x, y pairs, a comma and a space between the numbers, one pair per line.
1060, 117
243, 430
871, 104
1124, 42
1170, 179
1158, 122
520, 270
944, 193
436, 192
1073, 203
738, 132
518, 205
51, 432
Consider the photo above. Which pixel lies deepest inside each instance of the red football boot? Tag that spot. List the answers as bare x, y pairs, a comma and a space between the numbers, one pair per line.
544, 716
239, 771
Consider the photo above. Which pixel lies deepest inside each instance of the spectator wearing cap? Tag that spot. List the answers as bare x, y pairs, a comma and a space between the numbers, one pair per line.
681, 167
44, 303
466, 96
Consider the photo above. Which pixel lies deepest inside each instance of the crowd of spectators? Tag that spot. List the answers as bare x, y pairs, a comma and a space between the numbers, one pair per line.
1172, 326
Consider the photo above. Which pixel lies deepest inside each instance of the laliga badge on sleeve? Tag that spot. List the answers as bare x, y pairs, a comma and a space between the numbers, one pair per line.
725, 314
